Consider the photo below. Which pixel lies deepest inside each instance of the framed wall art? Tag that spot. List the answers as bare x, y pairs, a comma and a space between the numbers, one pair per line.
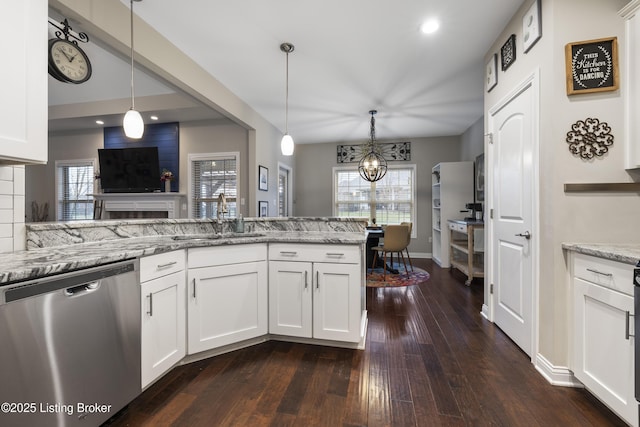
263, 178
592, 66
508, 52
531, 26
491, 73
263, 208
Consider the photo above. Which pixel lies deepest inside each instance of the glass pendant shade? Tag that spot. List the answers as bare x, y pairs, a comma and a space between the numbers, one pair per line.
133, 124
286, 145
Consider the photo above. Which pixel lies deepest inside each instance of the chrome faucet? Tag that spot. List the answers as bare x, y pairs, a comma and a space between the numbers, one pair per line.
222, 205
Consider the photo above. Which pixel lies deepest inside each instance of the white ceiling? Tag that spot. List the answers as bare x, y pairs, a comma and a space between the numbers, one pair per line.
350, 57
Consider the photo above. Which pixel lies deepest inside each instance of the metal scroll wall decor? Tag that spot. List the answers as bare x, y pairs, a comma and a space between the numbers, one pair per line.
589, 138
390, 151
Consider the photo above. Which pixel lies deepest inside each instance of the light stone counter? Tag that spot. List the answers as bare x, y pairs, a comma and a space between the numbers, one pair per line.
89, 244
628, 253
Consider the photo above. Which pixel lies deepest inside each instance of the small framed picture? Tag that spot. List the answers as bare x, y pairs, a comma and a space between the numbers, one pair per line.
263, 208
491, 78
592, 66
263, 178
531, 26
508, 52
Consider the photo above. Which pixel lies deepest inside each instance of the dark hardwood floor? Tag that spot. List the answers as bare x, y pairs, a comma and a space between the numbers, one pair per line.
430, 360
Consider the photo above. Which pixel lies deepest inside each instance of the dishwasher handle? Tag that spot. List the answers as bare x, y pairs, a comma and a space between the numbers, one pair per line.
82, 289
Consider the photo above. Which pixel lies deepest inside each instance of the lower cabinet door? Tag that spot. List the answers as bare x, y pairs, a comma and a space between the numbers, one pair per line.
336, 302
290, 296
163, 315
603, 349
226, 304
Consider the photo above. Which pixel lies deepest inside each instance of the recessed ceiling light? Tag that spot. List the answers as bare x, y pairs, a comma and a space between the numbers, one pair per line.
154, 117
99, 122
430, 26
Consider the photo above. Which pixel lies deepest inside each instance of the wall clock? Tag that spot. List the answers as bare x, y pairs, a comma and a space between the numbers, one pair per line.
68, 62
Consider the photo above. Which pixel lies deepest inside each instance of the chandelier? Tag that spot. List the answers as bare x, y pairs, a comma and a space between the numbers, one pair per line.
372, 166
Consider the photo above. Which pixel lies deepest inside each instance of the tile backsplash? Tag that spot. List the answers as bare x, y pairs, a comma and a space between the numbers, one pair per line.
12, 208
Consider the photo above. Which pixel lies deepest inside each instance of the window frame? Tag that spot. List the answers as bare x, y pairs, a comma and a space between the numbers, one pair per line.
227, 155
58, 197
414, 202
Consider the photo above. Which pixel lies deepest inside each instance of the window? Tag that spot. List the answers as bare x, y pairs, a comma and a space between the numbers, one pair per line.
212, 175
74, 188
390, 200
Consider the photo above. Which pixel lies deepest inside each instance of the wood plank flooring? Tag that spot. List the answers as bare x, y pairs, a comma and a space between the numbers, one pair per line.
430, 360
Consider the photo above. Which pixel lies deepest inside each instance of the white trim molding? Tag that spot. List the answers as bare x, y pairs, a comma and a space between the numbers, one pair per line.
556, 375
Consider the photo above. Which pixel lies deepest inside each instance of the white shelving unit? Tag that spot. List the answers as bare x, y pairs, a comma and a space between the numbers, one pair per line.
451, 189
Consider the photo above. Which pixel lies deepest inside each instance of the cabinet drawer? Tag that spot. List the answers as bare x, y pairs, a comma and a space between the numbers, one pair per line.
604, 272
338, 254
228, 254
456, 226
154, 266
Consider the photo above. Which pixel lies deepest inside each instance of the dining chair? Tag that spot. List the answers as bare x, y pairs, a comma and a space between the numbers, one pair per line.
395, 241
410, 225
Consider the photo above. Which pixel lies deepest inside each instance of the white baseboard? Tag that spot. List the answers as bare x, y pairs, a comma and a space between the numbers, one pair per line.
485, 312
556, 375
420, 255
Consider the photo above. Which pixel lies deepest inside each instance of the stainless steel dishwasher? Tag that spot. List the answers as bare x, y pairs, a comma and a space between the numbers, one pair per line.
70, 347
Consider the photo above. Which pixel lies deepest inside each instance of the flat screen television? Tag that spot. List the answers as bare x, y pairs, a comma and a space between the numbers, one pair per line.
129, 170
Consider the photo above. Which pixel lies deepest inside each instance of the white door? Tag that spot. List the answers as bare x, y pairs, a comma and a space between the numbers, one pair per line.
163, 340
226, 304
513, 127
336, 302
290, 296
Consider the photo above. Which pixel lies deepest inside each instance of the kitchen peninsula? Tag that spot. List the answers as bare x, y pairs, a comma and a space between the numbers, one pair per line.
165, 292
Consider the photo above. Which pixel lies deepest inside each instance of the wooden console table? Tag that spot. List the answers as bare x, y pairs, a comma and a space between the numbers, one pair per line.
467, 248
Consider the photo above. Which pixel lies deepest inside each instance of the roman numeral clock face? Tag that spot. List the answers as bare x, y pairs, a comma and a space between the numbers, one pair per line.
68, 62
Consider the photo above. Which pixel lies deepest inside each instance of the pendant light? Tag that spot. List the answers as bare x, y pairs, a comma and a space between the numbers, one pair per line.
286, 145
132, 123
373, 166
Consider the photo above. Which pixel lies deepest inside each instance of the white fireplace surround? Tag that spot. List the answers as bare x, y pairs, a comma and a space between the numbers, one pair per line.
174, 204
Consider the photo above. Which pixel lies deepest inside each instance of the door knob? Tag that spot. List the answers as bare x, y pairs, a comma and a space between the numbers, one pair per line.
526, 235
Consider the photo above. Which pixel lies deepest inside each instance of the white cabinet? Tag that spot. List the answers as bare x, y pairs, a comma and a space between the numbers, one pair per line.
630, 84
315, 291
23, 129
227, 296
451, 189
603, 348
163, 313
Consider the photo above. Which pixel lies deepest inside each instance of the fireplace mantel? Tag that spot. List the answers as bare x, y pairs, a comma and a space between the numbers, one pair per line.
140, 205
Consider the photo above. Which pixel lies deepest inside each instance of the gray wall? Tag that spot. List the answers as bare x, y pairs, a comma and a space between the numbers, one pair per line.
314, 181
472, 141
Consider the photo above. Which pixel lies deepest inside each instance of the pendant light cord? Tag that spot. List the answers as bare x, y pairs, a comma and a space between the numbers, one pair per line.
132, 94
286, 102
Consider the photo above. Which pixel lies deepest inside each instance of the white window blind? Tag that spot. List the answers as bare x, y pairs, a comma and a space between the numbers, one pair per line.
394, 195
73, 190
210, 177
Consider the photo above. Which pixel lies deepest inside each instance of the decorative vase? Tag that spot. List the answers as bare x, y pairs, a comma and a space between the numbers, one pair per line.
167, 186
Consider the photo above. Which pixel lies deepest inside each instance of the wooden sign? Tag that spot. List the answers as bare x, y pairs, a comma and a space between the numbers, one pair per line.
592, 66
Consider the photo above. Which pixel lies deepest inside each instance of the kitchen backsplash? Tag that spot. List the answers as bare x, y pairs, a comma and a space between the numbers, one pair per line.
12, 208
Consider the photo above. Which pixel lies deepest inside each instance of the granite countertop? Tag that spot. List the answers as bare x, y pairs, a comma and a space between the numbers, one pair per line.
628, 253
36, 263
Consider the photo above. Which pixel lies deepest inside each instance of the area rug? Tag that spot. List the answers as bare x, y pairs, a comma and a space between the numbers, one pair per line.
417, 276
